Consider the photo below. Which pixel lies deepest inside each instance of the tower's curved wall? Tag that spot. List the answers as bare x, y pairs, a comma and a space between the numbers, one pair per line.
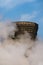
30, 27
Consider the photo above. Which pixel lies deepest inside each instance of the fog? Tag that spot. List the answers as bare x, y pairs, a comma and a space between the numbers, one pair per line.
21, 51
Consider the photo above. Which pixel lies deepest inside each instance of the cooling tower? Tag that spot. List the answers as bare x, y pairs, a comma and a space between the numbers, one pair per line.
23, 26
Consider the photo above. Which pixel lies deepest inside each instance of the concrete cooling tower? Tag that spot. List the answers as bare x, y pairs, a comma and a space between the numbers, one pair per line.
23, 26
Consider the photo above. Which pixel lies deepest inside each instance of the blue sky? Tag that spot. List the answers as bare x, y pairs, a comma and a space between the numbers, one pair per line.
22, 10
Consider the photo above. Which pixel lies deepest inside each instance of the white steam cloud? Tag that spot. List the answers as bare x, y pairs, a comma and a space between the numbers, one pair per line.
21, 51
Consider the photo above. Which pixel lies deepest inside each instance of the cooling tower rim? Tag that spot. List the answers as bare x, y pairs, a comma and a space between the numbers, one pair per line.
25, 22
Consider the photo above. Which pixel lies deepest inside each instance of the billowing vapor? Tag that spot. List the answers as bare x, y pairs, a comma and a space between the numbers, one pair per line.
21, 51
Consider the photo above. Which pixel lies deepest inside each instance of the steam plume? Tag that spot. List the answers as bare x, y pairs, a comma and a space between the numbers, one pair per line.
21, 51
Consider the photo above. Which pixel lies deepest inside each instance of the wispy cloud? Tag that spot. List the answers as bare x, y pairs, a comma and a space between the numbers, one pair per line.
12, 3
28, 17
